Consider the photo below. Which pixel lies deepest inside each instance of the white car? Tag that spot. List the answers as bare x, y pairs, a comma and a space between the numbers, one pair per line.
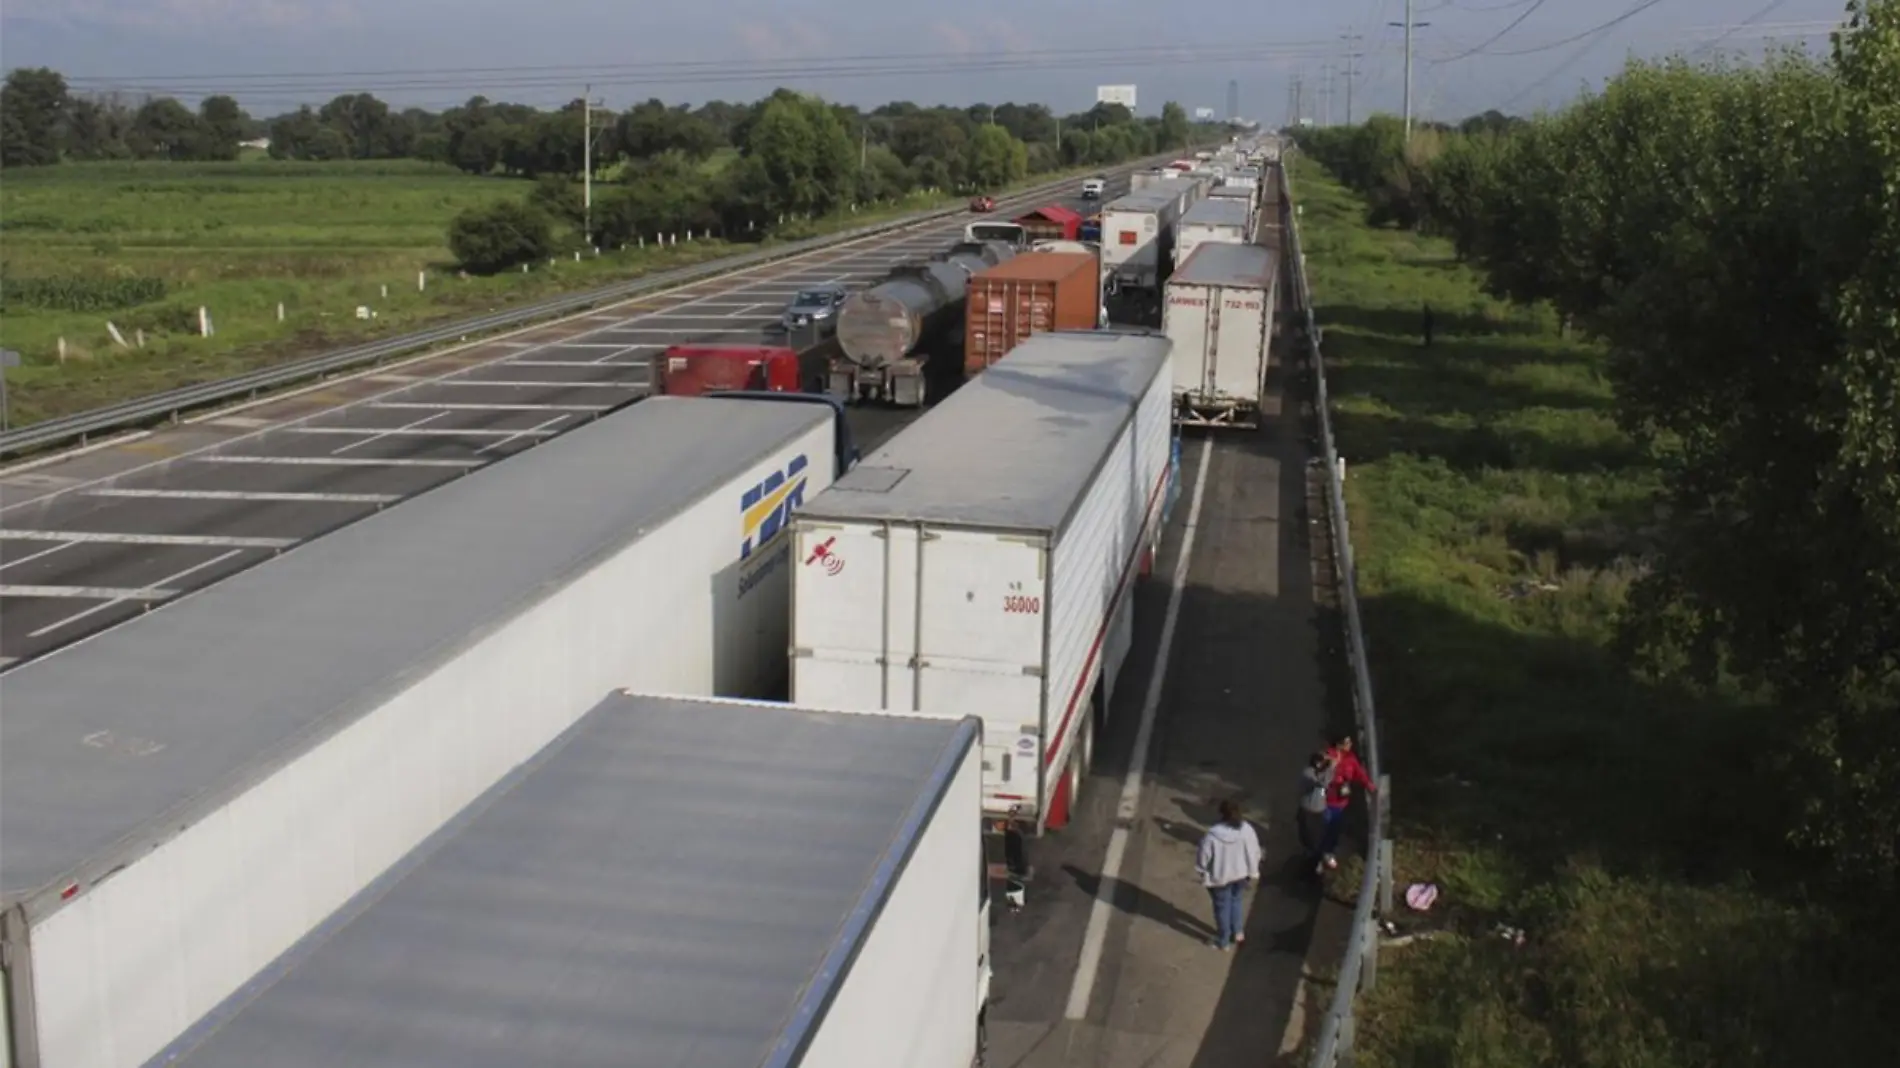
1093, 188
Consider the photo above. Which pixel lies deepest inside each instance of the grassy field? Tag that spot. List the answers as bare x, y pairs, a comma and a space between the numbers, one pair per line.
240, 238
1500, 518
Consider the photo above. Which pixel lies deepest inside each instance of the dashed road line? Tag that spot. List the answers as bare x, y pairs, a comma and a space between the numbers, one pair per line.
105, 537
131, 595
340, 461
245, 495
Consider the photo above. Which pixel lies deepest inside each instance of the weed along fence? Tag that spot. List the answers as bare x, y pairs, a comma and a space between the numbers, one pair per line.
1359, 966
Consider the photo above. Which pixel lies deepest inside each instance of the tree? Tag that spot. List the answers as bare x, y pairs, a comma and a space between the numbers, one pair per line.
996, 158
500, 235
222, 125
166, 129
33, 106
1174, 130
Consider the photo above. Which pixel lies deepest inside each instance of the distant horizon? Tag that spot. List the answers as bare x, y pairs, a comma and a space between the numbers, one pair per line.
1505, 57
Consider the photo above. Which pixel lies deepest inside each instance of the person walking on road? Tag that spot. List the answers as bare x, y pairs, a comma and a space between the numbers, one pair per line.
1315, 777
1229, 859
1347, 773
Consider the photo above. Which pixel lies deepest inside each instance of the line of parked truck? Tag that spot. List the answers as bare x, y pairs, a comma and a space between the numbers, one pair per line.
496, 776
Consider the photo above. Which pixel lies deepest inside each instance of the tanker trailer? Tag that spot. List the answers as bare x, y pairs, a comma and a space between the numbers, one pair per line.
881, 329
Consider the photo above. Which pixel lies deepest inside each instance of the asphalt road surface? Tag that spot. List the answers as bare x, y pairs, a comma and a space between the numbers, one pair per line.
1241, 704
96, 537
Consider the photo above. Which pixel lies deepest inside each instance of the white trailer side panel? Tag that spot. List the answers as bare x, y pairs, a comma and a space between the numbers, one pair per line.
414, 659
910, 998
1193, 235
1095, 564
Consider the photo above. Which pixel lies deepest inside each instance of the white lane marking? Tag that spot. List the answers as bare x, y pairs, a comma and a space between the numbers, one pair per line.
245, 495
510, 383
636, 365
427, 431
1096, 935
427, 405
140, 595
8, 661
341, 449
339, 461
539, 430
30, 557
108, 537
91, 593
578, 345
898, 244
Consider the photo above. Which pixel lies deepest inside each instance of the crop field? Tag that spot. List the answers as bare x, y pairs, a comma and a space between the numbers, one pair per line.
144, 245
1500, 516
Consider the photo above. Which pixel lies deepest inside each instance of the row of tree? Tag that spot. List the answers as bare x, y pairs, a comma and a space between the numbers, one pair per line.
45, 123
1733, 235
796, 156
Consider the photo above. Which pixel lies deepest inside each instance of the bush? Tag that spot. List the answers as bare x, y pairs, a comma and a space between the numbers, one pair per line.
80, 293
501, 235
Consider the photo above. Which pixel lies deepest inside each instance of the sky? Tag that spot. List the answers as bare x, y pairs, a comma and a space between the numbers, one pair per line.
275, 54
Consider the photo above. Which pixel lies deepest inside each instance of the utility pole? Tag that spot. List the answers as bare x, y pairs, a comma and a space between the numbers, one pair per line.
864, 146
587, 164
1326, 94
1352, 69
1410, 24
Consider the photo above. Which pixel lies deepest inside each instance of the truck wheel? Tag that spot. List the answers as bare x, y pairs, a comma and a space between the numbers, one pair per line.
1085, 747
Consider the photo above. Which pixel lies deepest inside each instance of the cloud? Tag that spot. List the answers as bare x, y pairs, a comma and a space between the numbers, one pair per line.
191, 14
953, 38
762, 40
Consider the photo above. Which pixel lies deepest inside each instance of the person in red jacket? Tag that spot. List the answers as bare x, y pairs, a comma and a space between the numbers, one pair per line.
1347, 773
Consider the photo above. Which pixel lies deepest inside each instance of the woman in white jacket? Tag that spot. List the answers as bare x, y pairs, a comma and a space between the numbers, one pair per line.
1229, 859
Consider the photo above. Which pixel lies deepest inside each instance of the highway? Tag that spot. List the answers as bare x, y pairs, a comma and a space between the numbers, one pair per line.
93, 537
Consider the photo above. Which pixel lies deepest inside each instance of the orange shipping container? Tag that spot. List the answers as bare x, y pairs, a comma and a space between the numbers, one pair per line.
1026, 295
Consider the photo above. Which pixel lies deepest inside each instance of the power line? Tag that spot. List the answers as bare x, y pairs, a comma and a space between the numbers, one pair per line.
1494, 38
1594, 30
729, 68
1766, 11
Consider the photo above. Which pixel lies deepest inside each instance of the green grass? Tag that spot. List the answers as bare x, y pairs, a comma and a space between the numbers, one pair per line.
239, 238
1500, 518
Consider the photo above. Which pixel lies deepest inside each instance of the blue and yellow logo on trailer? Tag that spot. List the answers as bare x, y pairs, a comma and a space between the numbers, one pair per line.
765, 507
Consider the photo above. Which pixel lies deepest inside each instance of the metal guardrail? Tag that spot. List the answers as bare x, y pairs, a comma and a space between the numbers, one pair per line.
1359, 966
171, 403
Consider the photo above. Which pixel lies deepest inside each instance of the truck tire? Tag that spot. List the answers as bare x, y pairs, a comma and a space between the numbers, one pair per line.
1085, 750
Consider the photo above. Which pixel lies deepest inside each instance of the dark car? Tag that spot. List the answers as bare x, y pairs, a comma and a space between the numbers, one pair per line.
817, 306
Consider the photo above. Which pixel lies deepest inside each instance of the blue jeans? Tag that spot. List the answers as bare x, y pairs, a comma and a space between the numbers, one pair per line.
1329, 838
1227, 911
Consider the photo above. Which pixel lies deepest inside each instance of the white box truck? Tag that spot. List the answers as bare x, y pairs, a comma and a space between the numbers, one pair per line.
1220, 314
186, 795
1138, 236
1217, 219
983, 561
670, 883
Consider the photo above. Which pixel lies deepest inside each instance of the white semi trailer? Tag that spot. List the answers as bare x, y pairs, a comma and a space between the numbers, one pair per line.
983, 561
185, 796
1220, 314
670, 883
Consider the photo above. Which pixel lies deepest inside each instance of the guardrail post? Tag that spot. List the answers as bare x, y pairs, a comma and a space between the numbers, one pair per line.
1384, 845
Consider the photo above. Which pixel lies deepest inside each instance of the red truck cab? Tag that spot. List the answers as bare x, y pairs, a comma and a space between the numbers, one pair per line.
692, 370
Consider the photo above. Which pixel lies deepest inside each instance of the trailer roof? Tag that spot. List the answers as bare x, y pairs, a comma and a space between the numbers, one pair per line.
1044, 266
664, 885
112, 744
1016, 447
1222, 263
1150, 199
1223, 211
1234, 192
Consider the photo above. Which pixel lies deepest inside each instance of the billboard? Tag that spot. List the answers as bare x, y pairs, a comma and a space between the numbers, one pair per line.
1116, 94
1204, 114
